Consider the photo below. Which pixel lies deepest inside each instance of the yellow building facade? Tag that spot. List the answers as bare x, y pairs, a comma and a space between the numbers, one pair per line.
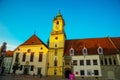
32, 57
56, 47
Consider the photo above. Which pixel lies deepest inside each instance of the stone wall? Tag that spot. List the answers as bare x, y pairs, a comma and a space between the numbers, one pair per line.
111, 72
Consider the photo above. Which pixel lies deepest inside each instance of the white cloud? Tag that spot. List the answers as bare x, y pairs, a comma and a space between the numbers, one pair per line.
11, 47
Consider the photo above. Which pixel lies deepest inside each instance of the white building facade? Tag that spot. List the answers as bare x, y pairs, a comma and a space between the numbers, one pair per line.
7, 64
86, 66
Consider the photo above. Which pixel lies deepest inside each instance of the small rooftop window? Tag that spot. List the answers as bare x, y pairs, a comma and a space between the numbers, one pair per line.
84, 51
71, 51
100, 50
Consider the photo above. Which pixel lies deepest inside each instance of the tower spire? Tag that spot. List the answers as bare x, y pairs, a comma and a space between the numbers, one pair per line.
59, 12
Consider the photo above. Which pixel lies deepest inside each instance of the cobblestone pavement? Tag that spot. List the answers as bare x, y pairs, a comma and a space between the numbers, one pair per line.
28, 77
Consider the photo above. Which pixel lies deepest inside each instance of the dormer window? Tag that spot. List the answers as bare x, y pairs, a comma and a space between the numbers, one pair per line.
100, 50
71, 52
84, 51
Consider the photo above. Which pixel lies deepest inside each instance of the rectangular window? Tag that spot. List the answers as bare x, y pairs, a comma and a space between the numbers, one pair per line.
24, 57
32, 68
82, 72
114, 61
106, 61
101, 62
110, 61
96, 72
81, 62
39, 71
89, 72
95, 62
88, 62
17, 57
32, 57
74, 62
40, 57
21, 66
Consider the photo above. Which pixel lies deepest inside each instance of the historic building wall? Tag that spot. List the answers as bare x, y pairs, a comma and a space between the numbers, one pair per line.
86, 66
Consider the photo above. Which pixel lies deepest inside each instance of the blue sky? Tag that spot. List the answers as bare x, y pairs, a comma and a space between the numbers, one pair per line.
19, 19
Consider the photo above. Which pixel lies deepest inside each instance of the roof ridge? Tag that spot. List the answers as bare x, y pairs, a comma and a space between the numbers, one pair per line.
29, 41
87, 38
113, 44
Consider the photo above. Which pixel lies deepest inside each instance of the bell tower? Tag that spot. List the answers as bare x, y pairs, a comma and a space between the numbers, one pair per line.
56, 47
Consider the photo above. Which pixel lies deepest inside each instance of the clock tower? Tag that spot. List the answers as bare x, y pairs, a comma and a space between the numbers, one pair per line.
56, 47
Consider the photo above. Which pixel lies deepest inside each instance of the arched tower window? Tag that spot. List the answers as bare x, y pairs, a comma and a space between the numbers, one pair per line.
55, 62
57, 22
56, 45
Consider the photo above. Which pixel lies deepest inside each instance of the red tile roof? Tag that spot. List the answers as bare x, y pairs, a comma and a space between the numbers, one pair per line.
116, 42
9, 53
33, 40
91, 45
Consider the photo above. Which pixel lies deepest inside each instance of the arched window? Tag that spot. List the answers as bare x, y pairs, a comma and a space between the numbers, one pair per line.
71, 51
56, 45
57, 22
84, 51
100, 50
24, 57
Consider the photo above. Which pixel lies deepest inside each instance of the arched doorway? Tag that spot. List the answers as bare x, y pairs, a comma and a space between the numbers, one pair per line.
67, 72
